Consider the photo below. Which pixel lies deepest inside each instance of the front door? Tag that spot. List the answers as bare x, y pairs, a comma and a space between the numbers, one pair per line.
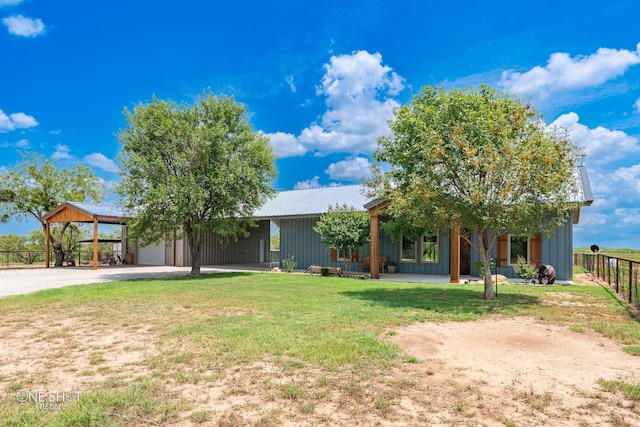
465, 258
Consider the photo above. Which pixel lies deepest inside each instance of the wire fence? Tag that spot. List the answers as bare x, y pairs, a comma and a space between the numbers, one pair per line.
620, 274
37, 259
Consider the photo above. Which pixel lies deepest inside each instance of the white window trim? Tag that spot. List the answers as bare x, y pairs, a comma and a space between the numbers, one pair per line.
509, 249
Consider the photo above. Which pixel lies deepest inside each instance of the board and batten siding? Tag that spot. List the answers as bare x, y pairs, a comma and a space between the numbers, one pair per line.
244, 251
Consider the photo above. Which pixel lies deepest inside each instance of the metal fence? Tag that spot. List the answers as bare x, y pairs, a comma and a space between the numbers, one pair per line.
33, 259
620, 274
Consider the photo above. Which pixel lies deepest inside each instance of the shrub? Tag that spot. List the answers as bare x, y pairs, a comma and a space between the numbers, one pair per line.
289, 264
524, 270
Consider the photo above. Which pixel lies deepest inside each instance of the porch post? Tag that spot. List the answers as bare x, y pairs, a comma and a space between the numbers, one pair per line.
47, 255
95, 243
375, 243
454, 255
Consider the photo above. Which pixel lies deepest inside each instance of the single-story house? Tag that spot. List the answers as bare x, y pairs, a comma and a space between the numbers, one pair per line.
441, 253
296, 212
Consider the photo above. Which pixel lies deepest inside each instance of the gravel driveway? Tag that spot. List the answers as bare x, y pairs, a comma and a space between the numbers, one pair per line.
26, 280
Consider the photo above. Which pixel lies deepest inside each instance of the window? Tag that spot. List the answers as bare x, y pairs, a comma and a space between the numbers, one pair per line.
518, 246
428, 248
407, 250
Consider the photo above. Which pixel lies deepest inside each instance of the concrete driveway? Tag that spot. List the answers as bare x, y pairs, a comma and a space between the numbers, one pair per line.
27, 280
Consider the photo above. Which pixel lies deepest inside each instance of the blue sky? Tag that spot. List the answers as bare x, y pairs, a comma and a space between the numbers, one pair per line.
321, 78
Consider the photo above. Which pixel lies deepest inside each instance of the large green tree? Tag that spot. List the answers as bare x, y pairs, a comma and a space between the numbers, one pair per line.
477, 160
190, 168
344, 229
36, 186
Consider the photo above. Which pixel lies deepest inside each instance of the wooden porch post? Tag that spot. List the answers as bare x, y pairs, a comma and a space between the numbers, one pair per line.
454, 256
47, 255
375, 243
95, 243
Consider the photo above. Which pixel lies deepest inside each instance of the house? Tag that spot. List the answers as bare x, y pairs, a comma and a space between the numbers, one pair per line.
296, 212
441, 253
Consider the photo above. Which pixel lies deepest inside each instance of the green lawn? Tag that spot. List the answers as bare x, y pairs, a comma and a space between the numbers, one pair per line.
214, 325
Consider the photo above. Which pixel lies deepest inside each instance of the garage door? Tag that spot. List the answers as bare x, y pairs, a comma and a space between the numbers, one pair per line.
152, 254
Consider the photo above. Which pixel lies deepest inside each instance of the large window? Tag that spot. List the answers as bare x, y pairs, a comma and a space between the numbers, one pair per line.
430, 248
425, 250
518, 246
407, 250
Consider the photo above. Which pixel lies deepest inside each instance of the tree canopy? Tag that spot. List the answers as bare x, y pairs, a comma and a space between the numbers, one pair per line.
476, 159
190, 168
344, 229
36, 186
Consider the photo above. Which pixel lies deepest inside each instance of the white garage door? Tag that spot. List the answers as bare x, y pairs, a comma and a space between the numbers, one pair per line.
152, 254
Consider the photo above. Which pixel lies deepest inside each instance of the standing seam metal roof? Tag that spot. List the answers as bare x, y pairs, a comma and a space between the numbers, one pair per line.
312, 202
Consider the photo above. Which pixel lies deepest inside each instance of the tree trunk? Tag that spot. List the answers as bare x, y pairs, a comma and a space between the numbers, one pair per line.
346, 259
485, 257
195, 244
59, 253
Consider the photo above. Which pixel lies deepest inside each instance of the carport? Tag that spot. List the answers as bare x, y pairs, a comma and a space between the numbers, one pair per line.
83, 213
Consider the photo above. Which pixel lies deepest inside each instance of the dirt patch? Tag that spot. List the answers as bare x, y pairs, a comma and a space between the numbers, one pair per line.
519, 370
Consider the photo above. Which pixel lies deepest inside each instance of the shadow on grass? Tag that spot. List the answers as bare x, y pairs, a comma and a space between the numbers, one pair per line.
452, 301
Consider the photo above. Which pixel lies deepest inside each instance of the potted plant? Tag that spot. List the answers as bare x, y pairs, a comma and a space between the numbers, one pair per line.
391, 267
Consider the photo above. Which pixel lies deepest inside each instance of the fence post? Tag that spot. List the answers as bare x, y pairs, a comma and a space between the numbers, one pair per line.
618, 275
630, 282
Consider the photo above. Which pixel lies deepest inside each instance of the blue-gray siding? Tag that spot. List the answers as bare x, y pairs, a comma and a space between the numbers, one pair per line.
298, 239
244, 251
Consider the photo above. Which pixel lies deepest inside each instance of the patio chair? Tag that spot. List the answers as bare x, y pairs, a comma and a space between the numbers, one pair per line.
365, 263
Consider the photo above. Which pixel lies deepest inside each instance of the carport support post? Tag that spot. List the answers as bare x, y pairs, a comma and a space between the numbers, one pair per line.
47, 255
95, 243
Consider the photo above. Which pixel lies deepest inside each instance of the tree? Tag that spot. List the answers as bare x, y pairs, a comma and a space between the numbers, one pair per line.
344, 229
36, 186
187, 169
26, 249
476, 160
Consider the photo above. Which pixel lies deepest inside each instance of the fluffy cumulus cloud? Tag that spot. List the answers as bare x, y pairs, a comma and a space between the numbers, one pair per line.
286, 144
16, 121
358, 91
63, 152
636, 105
24, 27
601, 145
351, 169
564, 72
99, 160
309, 183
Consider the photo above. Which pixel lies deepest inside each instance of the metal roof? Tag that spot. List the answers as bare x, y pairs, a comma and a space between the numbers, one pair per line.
312, 202
104, 214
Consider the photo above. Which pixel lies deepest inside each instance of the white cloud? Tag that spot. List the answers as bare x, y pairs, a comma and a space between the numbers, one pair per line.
601, 145
63, 152
56, 132
16, 121
25, 27
23, 143
289, 80
358, 93
9, 2
351, 169
101, 161
305, 185
637, 105
563, 72
286, 144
